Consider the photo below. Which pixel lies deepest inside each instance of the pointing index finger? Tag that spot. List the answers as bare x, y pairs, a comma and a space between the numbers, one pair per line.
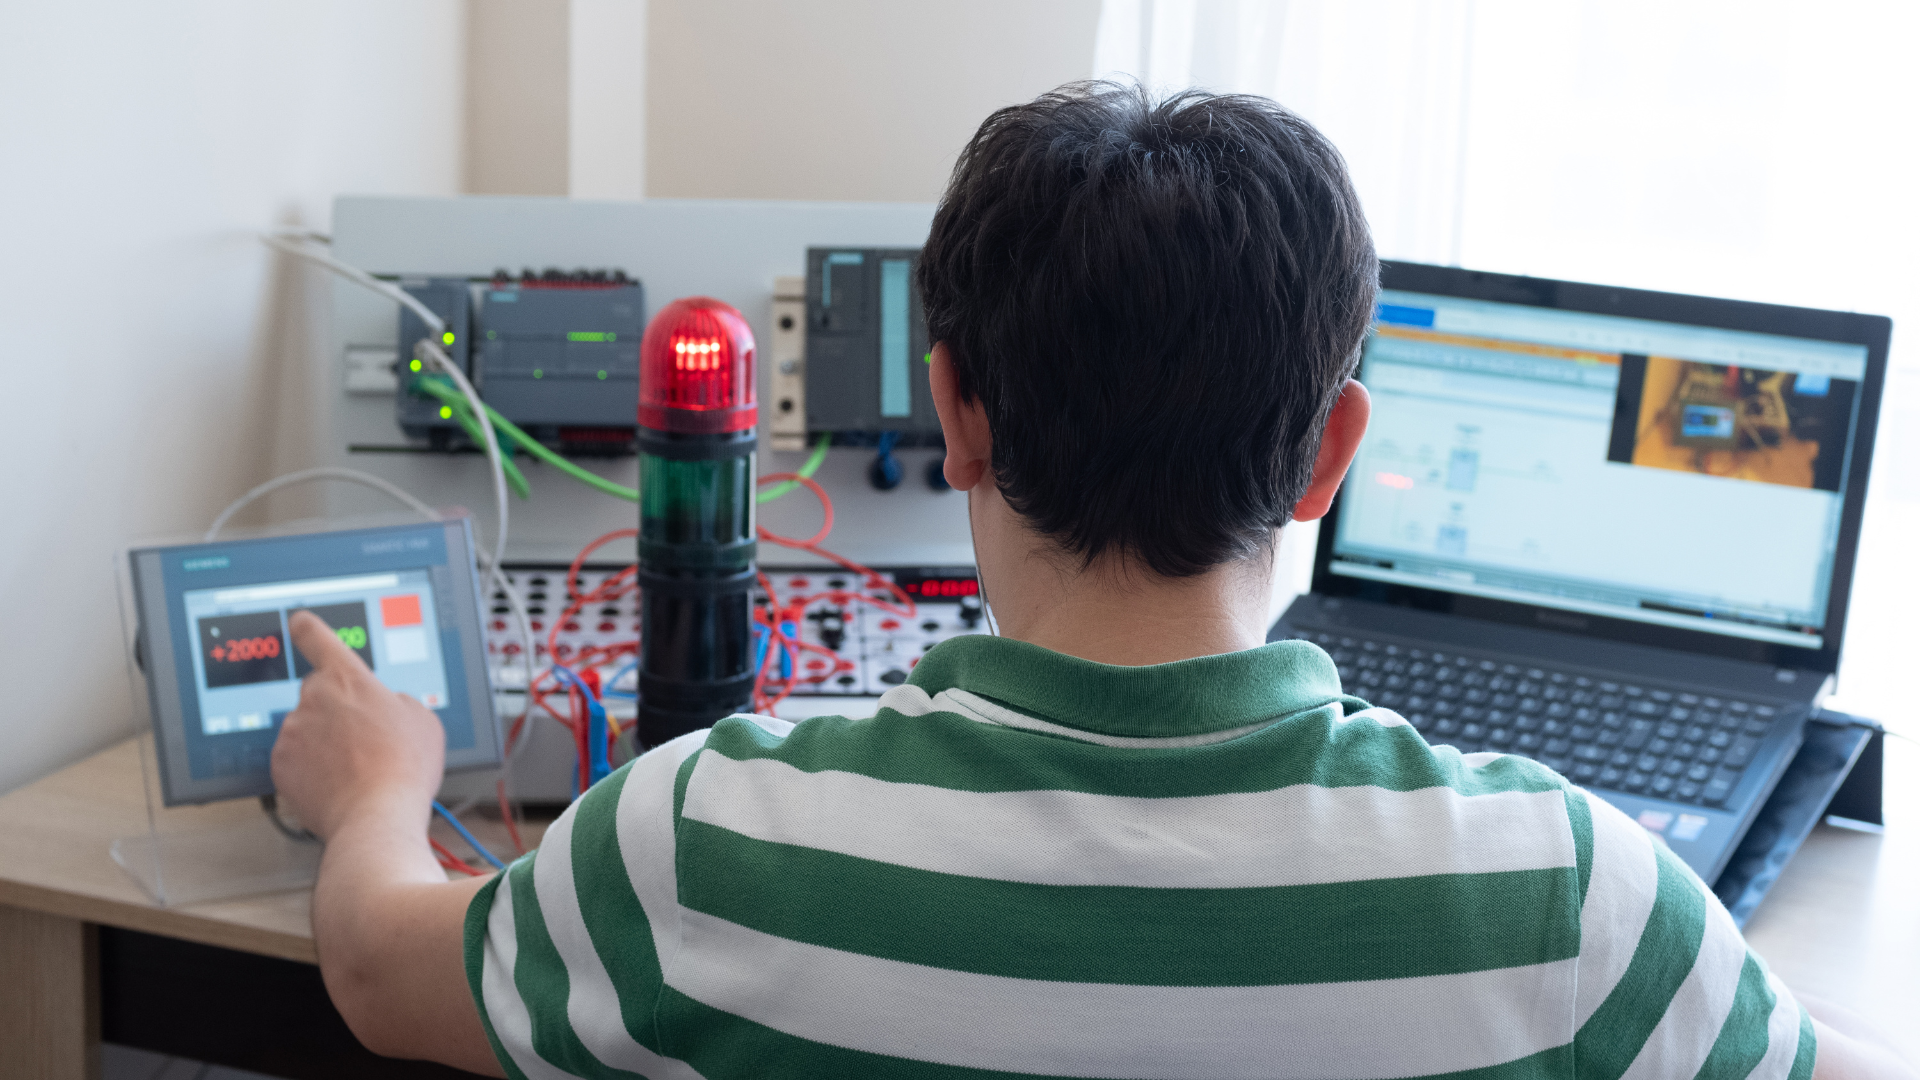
319, 644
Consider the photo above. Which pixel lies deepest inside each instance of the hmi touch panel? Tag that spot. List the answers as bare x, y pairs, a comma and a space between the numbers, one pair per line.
222, 669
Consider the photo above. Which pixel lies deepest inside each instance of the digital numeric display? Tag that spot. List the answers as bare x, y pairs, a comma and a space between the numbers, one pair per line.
349, 622
244, 648
937, 587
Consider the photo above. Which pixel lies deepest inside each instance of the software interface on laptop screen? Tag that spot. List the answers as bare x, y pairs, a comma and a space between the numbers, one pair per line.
1642, 470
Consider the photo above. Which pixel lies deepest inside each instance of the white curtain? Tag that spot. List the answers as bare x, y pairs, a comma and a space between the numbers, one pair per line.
1386, 81
1762, 150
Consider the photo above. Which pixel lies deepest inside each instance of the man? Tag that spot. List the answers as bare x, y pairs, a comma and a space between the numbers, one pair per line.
1125, 838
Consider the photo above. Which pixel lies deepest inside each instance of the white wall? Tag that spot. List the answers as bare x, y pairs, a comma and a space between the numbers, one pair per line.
841, 99
516, 96
152, 351
607, 99
556, 98
861, 100
157, 361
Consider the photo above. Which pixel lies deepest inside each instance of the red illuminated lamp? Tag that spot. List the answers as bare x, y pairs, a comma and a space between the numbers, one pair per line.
696, 369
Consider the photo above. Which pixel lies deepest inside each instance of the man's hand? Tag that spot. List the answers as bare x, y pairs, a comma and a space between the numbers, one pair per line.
361, 764
352, 744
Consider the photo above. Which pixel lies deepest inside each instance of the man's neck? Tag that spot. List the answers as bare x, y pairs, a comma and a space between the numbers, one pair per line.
1115, 611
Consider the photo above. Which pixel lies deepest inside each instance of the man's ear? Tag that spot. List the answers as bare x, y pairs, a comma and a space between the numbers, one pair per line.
963, 423
1338, 443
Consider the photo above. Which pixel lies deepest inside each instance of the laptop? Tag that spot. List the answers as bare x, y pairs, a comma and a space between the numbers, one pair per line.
1609, 529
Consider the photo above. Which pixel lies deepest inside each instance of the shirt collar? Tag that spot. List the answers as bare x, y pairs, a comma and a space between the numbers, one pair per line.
1186, 697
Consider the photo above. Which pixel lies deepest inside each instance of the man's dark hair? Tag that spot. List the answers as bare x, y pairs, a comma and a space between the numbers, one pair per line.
1157, 304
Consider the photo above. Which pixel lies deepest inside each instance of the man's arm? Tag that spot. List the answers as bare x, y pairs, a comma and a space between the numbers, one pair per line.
1668, 985
1849, 1048
361, 765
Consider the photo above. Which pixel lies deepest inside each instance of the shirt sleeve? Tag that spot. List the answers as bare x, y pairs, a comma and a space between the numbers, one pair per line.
565, 948
1667, 986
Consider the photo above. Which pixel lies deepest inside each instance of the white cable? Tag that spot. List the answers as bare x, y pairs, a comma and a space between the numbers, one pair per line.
354, 476
429, 350
299, 232
359, 277
325, 472
526, 654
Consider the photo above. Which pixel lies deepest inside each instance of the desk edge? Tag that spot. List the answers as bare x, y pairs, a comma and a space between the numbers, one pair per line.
167, 922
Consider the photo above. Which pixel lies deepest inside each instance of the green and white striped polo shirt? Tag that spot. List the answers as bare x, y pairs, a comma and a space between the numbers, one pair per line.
1032, 865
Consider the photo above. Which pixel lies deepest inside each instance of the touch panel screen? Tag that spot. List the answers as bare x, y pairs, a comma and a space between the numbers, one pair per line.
223, 669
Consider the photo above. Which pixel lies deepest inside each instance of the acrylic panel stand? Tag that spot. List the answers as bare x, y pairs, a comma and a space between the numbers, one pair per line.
197, 854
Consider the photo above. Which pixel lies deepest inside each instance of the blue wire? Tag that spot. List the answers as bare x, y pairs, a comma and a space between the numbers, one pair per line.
597, 764
567, 673
467, 836
617, 676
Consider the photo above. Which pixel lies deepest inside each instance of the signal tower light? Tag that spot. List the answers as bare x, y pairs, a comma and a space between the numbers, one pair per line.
696, 443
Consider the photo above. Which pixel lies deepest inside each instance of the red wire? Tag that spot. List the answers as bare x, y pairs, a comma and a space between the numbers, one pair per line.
768, 618
906, 609
826, 509
573, 571
811, 545
623, 582
611, 589
773, 618
577, 705
451, 861
506, 815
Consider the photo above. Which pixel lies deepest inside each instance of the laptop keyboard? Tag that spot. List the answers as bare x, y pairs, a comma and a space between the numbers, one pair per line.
1641, 739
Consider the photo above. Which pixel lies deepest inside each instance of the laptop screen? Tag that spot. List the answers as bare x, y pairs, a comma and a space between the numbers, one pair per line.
1657, 472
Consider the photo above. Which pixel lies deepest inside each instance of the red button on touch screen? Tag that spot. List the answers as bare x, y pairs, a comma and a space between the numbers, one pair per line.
400, 610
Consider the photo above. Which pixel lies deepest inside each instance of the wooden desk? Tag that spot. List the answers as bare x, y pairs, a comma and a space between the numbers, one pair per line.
58, 884
1843, 922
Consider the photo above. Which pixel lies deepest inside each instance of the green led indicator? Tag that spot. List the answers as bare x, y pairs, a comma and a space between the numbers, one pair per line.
446, 412
927, 358
538, 374
415, 366
603, 374
591, 335
446, 338
491, 335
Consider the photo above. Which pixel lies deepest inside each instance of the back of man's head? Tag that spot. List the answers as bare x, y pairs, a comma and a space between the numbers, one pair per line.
1156, 304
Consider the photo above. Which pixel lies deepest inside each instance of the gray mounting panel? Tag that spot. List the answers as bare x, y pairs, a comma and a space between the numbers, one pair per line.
730, 250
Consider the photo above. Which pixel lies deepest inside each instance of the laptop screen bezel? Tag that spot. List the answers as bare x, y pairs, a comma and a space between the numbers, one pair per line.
1870, 331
